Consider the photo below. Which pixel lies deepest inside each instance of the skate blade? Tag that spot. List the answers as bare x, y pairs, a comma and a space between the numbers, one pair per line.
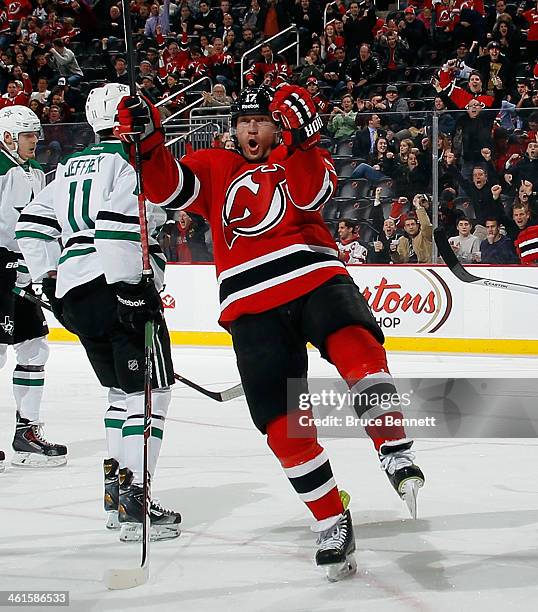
34, 460
116, 579
113, 521
409, 492
132, 532
340, 571
2, 466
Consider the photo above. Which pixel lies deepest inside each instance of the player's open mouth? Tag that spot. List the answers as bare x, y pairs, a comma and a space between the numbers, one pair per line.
253, 146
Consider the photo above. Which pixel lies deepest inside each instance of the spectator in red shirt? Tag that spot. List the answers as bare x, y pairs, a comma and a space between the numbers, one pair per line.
17, 93
270, 67
532, 35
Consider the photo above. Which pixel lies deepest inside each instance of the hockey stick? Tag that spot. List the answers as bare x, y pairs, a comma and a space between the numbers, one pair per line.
218, 396
449, 257
129, 578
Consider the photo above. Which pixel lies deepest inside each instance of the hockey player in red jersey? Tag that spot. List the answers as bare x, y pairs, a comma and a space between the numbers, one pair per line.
282, 285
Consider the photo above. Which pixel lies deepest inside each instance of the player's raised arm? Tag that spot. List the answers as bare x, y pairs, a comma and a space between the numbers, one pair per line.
167, 182
310, 175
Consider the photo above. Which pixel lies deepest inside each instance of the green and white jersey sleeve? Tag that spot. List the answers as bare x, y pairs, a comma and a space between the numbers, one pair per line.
93, 200
18, 185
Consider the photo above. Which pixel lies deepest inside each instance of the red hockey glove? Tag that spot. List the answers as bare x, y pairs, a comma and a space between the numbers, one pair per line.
296, 112
138, 116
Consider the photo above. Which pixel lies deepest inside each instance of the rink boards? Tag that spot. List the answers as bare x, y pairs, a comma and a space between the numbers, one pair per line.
420, 308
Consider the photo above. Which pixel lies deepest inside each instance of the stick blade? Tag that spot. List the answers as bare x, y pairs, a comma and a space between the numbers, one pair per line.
119, 579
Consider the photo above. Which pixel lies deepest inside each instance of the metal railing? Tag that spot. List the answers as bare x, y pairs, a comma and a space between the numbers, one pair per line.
182, 91
202, 115
290, 29
203, 139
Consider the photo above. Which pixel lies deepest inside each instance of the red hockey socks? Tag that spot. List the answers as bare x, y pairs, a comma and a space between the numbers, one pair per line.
307, 466
362, 363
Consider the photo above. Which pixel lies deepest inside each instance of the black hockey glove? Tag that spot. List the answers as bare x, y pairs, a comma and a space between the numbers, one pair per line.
138, 304
57, 304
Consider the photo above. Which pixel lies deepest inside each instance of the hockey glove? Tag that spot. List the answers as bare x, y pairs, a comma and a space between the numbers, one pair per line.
296, 112
137, 116
49, 289
138, 304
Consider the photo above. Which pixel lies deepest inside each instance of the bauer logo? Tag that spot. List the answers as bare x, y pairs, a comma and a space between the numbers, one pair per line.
168, 301
408, 301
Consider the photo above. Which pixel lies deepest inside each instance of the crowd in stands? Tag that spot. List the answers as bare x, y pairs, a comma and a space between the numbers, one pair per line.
376, 73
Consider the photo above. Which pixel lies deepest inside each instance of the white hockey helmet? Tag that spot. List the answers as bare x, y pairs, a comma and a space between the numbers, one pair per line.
102, 103
17, 120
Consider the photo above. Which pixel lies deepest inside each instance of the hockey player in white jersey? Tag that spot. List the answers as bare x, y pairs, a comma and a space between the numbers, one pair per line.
92, 207
22, 324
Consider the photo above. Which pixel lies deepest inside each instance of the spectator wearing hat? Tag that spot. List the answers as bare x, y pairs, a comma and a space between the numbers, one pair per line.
149, 89
322, 103
496, 72
145, 69
398, 119
414, 32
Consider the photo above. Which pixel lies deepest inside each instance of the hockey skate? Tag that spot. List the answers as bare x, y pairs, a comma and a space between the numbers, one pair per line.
112, 492
2, 459
336, 548
32, 449
164, 522
407, 478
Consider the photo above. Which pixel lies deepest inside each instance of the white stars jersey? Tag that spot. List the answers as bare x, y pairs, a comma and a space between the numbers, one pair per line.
85, 222
18, 185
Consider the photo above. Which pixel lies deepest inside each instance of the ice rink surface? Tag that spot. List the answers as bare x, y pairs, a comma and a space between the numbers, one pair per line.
246, 544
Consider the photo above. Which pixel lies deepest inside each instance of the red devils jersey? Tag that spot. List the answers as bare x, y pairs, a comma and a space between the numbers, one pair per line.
270, 242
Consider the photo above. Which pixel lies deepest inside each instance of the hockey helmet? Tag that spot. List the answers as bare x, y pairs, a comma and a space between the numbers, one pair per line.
252, 101
102, 104
17, 120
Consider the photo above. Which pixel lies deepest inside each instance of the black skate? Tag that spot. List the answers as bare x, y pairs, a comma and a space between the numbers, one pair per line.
112, 492
164, 523
2, 459
31, 448
336, 548
406, 477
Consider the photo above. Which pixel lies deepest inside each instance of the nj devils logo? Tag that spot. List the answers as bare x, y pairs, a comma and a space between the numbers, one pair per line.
255, 203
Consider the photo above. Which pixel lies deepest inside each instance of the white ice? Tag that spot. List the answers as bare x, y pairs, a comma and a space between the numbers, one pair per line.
246, 543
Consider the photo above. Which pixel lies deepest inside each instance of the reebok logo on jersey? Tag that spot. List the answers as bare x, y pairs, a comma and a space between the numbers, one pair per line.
131, 303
